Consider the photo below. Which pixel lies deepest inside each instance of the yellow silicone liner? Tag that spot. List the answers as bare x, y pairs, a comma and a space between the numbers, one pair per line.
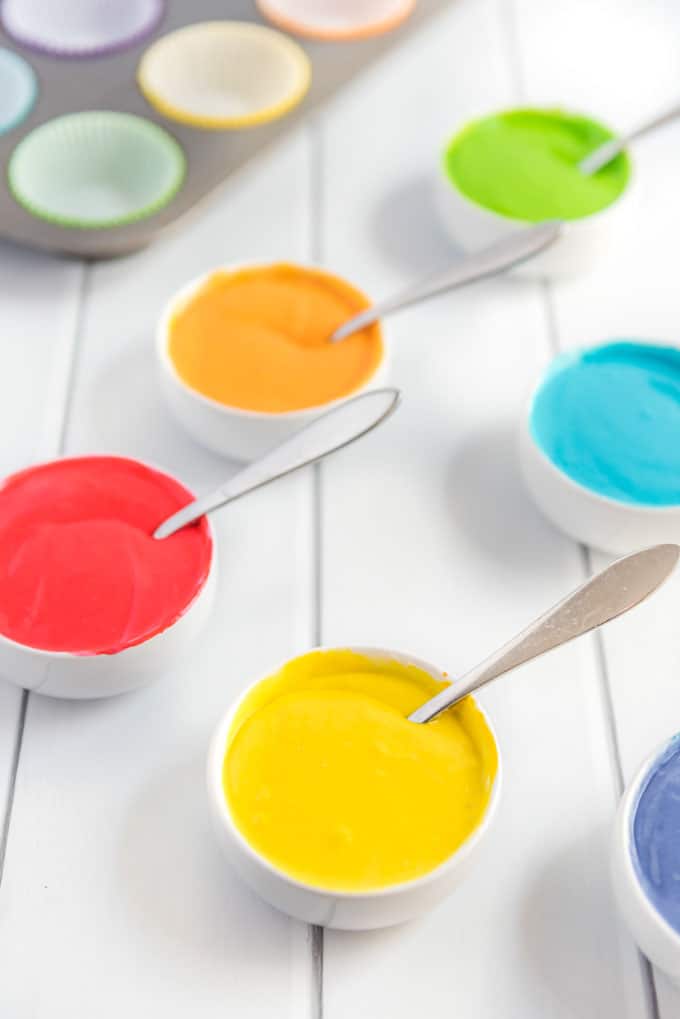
263, 116
307, 31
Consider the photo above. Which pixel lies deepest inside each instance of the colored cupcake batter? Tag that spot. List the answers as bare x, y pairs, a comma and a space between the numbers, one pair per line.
524, 165
609, 417
327, 779
79, 570
257, 339
656, 835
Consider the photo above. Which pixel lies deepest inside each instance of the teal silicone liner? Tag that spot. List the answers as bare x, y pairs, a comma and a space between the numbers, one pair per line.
120, 156
18, 90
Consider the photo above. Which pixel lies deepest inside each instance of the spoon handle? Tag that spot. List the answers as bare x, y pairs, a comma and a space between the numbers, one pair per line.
502, 255
604, 153
328, 433
608, 594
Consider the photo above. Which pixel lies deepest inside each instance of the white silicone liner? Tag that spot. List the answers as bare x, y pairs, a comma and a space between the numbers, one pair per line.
219, 75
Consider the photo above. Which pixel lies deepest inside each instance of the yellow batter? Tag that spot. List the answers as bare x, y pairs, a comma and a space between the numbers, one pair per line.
327, 779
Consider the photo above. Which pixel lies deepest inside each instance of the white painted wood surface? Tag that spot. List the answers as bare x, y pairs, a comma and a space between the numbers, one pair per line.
114, 899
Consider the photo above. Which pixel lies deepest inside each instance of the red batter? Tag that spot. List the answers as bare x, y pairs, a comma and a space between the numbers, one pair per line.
79, 568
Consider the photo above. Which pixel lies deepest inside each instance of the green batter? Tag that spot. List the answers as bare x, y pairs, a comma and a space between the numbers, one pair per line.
524, 164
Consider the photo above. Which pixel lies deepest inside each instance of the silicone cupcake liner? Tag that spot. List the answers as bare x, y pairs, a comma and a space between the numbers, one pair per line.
339, 20
224, 74
96, 169
18, 90
80, 28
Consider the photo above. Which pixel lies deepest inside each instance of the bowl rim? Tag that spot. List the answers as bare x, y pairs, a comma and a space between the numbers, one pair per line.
172, 149
514, 220
42, 46
264, 115
668, 509
182, 296
31, 79
88, 656
626, 817
221, 810
403, 10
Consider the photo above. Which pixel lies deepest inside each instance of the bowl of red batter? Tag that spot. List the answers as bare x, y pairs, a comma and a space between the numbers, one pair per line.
91, 604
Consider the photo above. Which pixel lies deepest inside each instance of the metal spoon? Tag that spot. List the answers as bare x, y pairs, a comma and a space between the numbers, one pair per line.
608, 594
328, 433
513, 250
604, 153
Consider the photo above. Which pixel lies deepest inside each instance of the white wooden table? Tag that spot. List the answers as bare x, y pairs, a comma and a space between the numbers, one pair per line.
114, 898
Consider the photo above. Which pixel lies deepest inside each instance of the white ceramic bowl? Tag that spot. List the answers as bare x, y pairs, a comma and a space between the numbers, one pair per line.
581, 244
230, 431
341, 910
654, 935
590, 518
87, 677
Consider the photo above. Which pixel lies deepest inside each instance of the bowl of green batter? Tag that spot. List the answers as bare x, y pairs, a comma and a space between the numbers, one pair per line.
521, 166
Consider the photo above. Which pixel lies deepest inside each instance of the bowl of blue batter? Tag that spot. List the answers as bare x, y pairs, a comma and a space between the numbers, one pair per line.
600, 444
646, 858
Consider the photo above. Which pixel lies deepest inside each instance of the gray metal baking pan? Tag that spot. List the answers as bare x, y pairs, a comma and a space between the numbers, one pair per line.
108, 83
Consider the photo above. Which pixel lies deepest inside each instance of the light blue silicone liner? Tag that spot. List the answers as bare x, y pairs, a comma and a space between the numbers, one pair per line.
18, 89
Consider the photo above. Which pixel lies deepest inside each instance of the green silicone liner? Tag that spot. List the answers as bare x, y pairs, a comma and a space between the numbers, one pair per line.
171, 147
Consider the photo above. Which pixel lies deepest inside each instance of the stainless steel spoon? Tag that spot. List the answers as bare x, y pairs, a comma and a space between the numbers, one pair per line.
328, 433
513, 250
604, 153
608, 594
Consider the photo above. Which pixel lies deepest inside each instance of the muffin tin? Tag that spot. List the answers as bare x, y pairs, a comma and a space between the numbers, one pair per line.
96, 72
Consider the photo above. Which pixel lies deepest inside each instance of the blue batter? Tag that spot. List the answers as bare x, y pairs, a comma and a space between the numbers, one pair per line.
609, 418
656, 835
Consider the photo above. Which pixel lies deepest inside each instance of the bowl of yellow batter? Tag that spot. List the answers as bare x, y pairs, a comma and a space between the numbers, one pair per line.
334, 807
245, 357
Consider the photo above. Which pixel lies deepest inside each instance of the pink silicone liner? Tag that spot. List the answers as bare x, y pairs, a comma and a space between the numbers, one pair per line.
336, 35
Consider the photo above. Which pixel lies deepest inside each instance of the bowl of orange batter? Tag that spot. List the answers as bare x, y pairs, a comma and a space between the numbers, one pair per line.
246, 359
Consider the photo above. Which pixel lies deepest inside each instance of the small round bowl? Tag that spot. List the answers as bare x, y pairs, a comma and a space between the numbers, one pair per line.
219, 75
71, 676
242, 435
80, 28
18, 90
581, 244
652, 932
590, 518
341, 910
96, 170
337, 20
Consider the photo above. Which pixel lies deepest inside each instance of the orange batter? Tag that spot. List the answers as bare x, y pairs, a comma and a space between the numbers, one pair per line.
257, 339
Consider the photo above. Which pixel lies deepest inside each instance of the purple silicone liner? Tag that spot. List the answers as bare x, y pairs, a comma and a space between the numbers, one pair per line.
97, 51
